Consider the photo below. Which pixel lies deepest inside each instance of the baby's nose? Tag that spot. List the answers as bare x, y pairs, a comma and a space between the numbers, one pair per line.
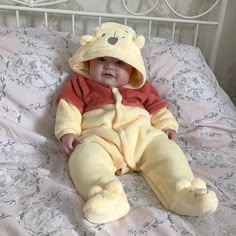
109, 65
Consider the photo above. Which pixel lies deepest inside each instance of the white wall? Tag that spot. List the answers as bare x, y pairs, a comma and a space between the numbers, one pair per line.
226, 59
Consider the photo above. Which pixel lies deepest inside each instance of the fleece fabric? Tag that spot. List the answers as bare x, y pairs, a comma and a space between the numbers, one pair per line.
122, 131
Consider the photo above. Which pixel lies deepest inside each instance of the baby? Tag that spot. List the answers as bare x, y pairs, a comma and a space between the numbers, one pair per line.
111, 121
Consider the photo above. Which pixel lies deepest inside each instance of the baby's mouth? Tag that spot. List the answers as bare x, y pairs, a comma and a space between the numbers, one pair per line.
109, 75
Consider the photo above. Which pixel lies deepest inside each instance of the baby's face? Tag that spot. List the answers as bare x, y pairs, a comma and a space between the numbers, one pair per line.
110, 72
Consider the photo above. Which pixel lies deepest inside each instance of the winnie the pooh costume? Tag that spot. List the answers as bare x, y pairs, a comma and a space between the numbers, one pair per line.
122, 131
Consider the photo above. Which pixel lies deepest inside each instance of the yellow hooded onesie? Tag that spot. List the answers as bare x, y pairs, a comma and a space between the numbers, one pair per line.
121, 129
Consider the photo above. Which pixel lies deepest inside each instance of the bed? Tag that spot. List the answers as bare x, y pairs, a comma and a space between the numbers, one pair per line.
37, 196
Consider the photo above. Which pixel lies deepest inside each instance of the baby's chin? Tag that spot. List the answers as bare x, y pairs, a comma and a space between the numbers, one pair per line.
111, 82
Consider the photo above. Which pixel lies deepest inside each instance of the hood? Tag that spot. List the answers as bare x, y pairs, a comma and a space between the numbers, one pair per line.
111, 40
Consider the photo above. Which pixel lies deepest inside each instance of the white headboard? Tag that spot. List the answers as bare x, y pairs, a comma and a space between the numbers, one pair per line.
22, 7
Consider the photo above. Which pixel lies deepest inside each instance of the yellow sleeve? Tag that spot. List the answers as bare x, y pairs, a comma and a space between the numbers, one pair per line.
68, 119
164, 119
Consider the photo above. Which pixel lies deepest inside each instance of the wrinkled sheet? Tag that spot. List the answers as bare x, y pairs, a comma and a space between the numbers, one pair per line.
37, 196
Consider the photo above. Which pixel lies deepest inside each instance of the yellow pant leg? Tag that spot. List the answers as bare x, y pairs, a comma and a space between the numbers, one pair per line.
167, 171
93, 173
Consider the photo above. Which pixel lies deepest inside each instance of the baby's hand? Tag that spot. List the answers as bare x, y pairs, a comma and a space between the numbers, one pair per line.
171, 134
68, 142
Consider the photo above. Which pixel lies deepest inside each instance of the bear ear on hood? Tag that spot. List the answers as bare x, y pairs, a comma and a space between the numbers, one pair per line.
139, 41
85, 39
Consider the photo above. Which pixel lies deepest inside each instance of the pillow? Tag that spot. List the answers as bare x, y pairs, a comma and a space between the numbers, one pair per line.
34, 65
182, 77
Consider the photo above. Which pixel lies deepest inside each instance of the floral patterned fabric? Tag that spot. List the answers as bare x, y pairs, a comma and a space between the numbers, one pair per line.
37, 196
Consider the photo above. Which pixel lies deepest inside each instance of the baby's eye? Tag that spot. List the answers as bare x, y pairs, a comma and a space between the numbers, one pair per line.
101, 59
120, 62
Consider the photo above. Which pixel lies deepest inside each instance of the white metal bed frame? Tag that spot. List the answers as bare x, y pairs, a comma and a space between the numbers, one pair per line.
35, 6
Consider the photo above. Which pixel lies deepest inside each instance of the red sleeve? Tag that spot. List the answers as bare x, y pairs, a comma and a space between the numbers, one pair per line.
73, 92
153, 102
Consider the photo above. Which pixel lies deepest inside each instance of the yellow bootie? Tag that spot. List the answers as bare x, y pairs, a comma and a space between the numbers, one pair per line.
193, 199
106, 204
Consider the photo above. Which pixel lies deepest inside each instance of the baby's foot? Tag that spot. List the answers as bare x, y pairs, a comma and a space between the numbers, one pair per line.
106, 204
193, 199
